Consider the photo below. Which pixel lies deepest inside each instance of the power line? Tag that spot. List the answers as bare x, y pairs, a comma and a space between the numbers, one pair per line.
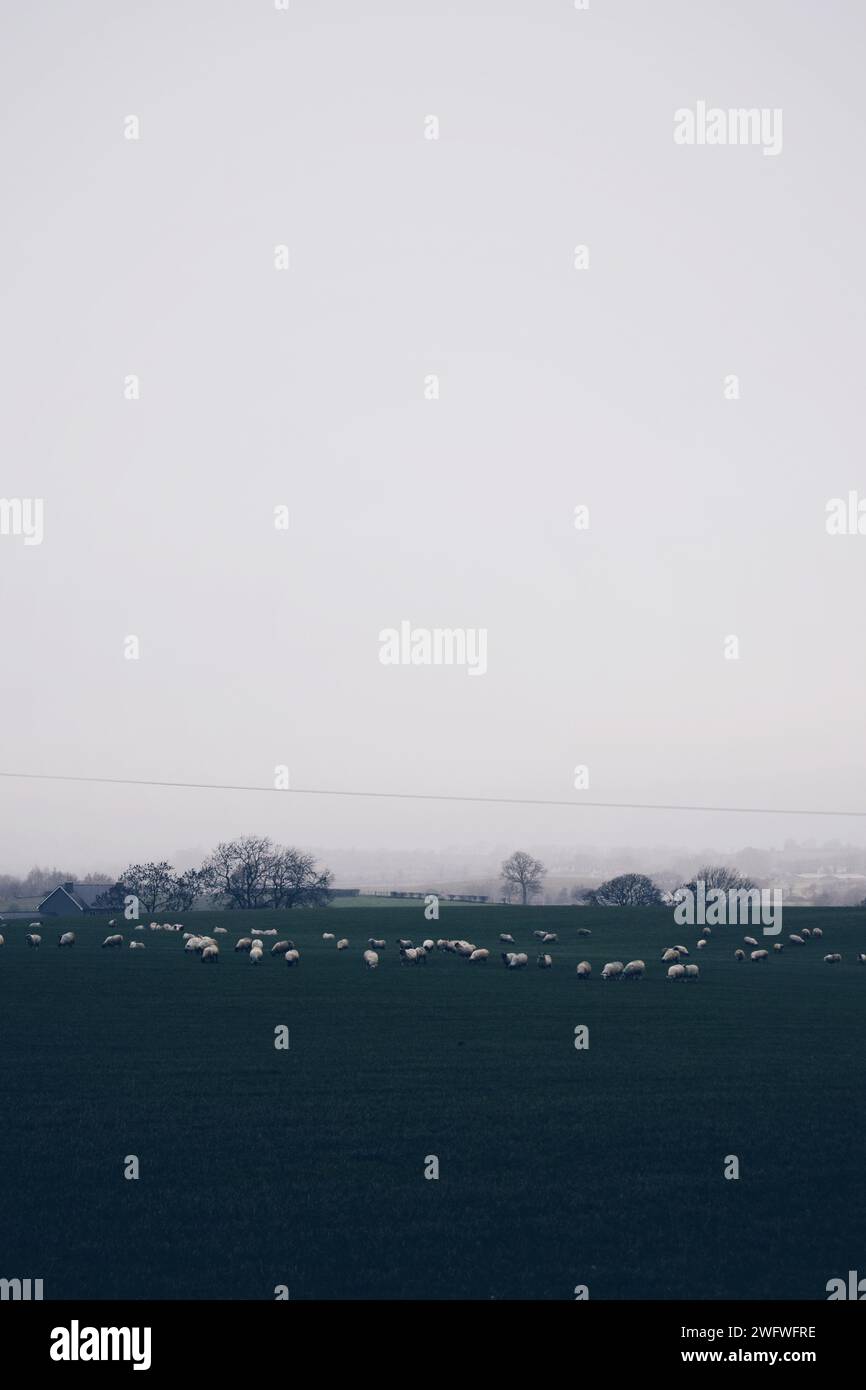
434, 796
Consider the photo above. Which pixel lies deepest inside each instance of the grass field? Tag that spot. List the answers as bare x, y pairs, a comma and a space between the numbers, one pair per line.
305, 1167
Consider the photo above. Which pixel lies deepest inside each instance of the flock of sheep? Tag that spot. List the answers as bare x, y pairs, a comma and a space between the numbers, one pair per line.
207, 948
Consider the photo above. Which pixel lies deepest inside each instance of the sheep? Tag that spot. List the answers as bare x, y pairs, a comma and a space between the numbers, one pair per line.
138, 928
739, 955
584, 931
692, 972
2, 941
376, 943
806, 933
405, 945
683, 950
113, 940
33, 940
428, 945
796, 940
861, 958
479, 956
833, 959
816, 931
549, 938
584, 970
544, 962
777, 946
136, 945
280, 948
539, 935
243, 943
256, 956
112, 923
271, 931
67, 939
612, 970
514, 960
211, 954
671, 954
257, 931
292, 957
759, 955
464, 948
634, 970
676, 972
506, 938
750, 941
192, 943
702, 943
409, 956
217, 931
328, 936
705, 931
371, 960
343, 944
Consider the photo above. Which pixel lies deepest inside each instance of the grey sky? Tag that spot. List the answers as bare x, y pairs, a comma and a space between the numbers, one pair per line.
558, 387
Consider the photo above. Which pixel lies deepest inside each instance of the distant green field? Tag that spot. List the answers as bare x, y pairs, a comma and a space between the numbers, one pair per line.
557, 1167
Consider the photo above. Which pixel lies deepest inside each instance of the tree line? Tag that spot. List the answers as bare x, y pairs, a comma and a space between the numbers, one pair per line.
524, 875
249, 872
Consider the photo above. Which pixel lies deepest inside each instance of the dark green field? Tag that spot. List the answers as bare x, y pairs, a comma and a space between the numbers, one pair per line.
557, 1167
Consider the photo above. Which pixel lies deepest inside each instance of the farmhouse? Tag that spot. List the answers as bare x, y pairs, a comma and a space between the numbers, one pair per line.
68, 898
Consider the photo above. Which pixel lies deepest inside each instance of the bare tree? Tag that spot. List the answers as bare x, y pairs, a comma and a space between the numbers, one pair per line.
523, 872
151, 884
719, 876
627, 890
254, 872
294, 881
185, 888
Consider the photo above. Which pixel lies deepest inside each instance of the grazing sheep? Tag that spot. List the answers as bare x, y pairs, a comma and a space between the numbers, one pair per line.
833, 959
256, 956
539, 935
343, 944
777, 946
584, 970
376, 943
409, 956
113, 941
701, 944
257, 931
816, 931
370, 959
692, 972
634, 970
759, 955
293, 957
243, 944
683, 950
136, 945
514, 960
544, 962
806, 933
328, 936
796, 940
67, 939
112, 923
671, 954
506, 939
138, 928
481, 956
280, 948
271, 931
612, 970
33, 940
750, 941
2, 941
211, 954
464, 948
549, 938
739, 955
676, 972
217, 931
584, 931
405, 945
192, 943
428, 945
705, 931
861, 958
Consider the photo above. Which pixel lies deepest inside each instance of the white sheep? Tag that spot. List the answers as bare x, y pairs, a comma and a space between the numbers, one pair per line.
612, 970
256, 956
796, 940
777, 946
211, 954
671, 954
701, 944
257, 931
293, 957
136, 945
409, 956
514, 960
371, 960
683, 950
544, 962
67, 939
243, 943
481, 955
217, 931
33, 940
429, 945
750, 941
280, 948
692, 972
192, 943
833, 959
328, 936
404, 944
584, 970
548, 938
676, 972
464, 948
376, 943
806, 933
2, 941
584, 931
861, 958
705, 931
539, 935
739, 955
759, 955
506, 938
634, 970
113, 940
343, 944
816, 931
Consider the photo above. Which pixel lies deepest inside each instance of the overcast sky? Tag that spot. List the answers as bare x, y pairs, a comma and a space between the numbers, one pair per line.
305, 387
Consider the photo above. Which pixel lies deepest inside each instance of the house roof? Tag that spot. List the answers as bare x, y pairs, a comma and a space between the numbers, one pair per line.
82, 895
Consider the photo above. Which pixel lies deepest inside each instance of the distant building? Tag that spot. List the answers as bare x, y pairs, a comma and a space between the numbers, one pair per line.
68, 898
